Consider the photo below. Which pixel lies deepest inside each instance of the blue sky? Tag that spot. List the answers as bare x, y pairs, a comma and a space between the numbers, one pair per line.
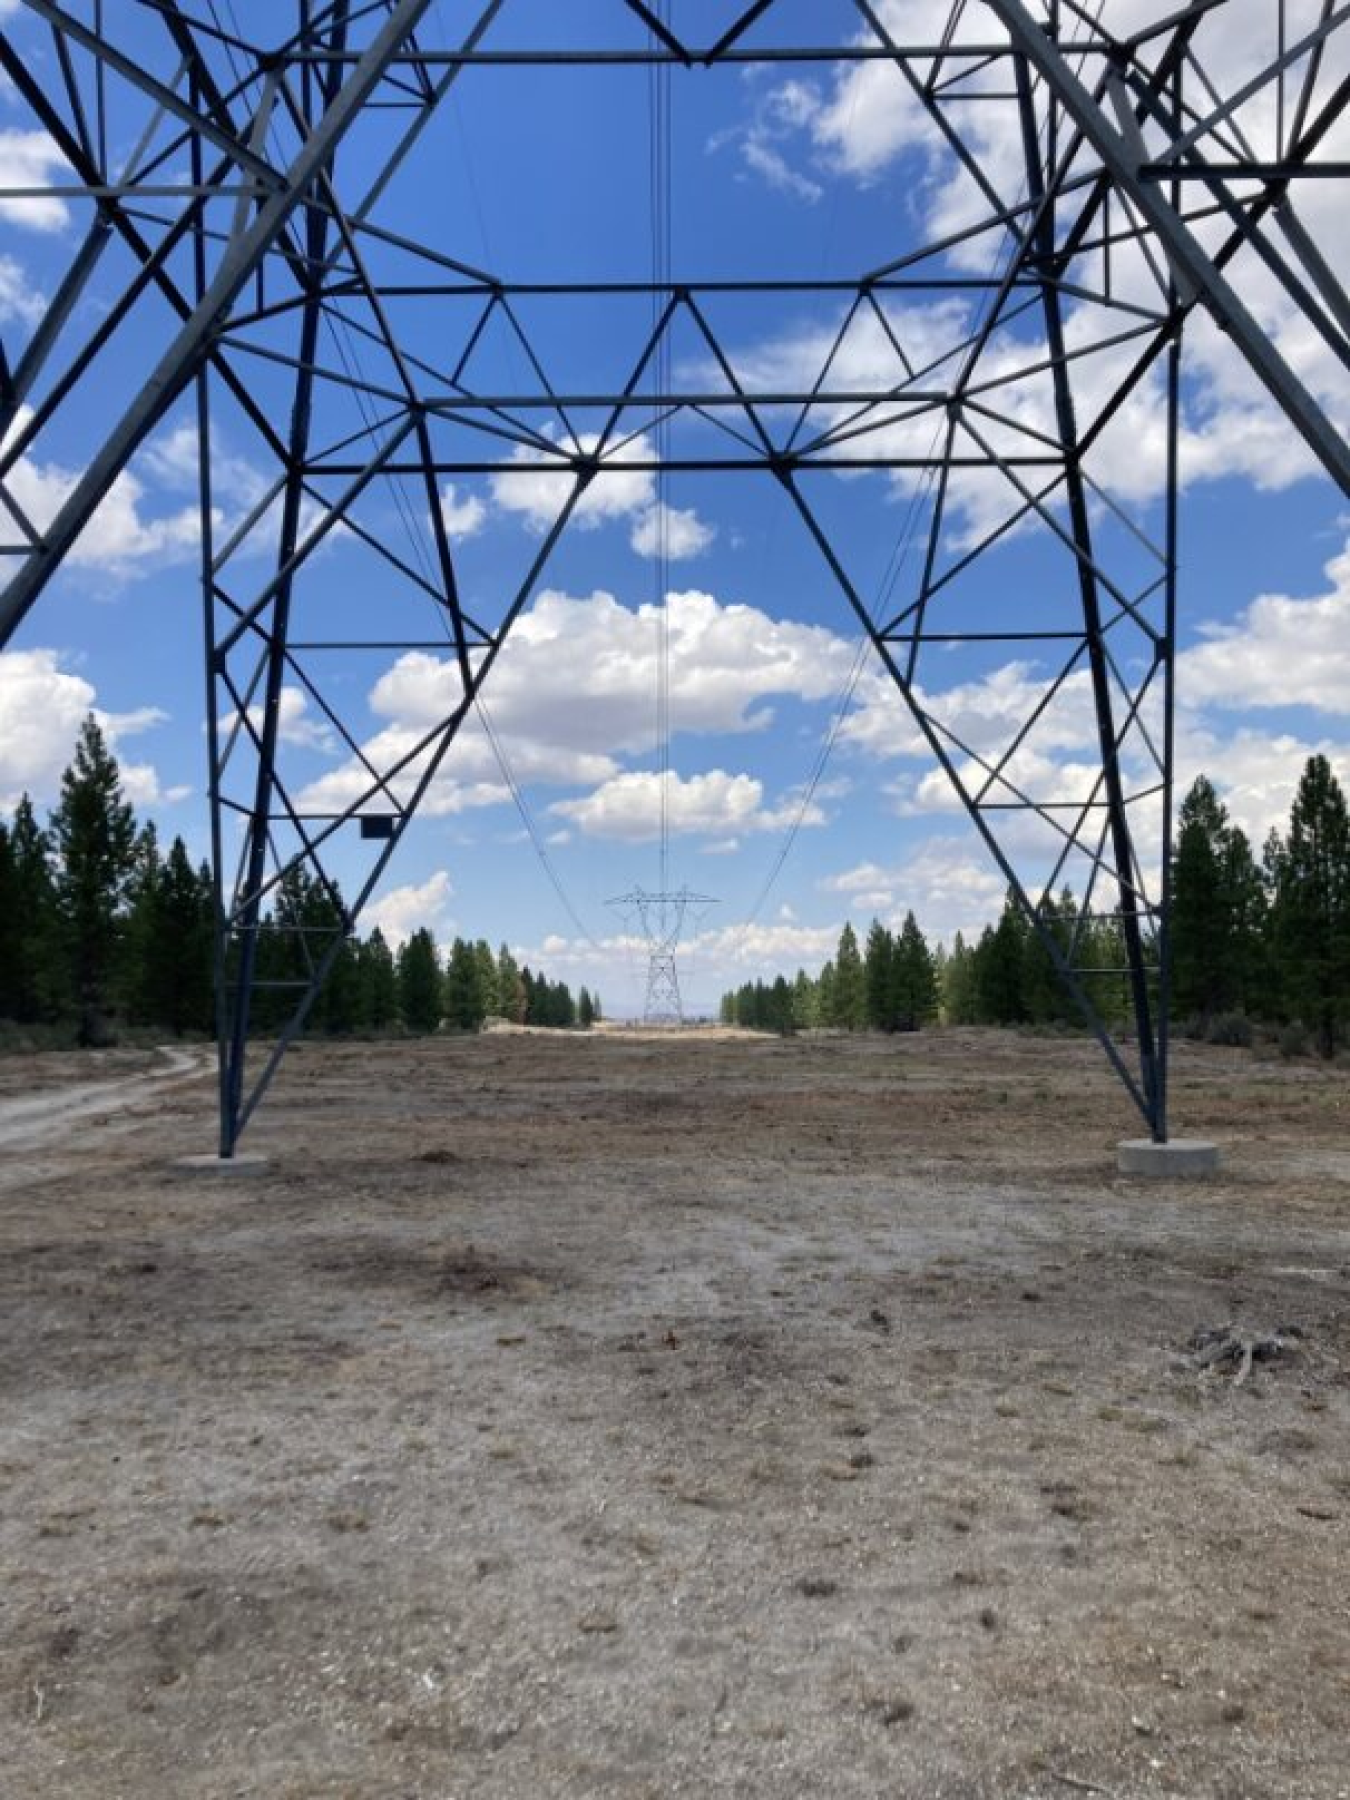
800, 173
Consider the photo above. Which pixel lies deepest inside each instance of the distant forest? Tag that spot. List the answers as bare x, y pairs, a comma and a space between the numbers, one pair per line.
102, 929
1254, 944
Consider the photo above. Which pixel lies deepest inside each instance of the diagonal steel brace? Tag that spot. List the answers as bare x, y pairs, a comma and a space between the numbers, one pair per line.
183, 358
1195, 271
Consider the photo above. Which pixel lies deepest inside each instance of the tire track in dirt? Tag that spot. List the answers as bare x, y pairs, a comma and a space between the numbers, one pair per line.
43, 1122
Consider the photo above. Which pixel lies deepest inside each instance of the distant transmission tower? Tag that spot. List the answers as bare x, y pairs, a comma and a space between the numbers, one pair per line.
661, 915
661, 920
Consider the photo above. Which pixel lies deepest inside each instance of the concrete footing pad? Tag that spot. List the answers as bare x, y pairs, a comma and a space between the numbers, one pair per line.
239, 1164
1181, 1156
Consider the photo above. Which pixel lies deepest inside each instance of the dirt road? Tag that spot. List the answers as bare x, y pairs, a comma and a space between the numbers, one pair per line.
30, 1120
564, 1417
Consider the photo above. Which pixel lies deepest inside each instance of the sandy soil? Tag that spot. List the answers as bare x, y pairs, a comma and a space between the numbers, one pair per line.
565, 1417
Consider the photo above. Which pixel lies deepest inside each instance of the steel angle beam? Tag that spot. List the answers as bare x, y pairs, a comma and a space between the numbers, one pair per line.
184, 356
1123, 156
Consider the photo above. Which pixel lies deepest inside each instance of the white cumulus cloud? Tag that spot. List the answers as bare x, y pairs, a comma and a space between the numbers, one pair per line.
19, 299
573, 693
1278, 651
296, 724
945, 881
121, 535
464, 518
628, 807
30, 159
684, 534
536, 487
403, 910
42, 707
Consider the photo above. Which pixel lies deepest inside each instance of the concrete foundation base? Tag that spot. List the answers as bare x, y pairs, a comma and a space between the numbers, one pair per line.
242, 1163
1181, 1156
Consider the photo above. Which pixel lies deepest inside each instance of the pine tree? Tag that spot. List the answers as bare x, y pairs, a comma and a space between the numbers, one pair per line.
419, 983
1102, 947
544, 1003
486, 965
276, 975
1248, 906
803, 1001
1041, 985
142, 935
176, 976
914, 988
170, 944
286, 942
314, 926
1268, 1000
94, 832
33, 973
825, 1002
959, 1002
510, 992
1067, 932
1206, 954
44, 978
337, 1010
998, 967
564, 1006
585, 1011
938, 952
378, 983
850, 991
464, 1008
780, 1007
10, 938
879, 978
1313, 906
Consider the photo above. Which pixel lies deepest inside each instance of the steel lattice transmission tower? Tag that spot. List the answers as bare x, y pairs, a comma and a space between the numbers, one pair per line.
661, 920
257, 264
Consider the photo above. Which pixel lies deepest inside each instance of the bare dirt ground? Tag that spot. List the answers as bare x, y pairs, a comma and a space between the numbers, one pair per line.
567, 1417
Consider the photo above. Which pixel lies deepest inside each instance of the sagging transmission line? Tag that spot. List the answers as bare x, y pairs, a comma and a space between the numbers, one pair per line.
660, 916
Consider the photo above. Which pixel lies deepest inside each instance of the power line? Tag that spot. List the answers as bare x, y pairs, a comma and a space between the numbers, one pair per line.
659, 174
527, 819
844, 702
661, 915
348, 352
885, 589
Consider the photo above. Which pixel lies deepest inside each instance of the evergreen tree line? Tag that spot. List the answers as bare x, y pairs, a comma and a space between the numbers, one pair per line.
100, 927
1008, 976
893, 984
469, 986
1265, 940
1265, 943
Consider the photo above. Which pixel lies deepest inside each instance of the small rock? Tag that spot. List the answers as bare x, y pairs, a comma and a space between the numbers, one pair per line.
598, 1623
817, 1587
890, 1709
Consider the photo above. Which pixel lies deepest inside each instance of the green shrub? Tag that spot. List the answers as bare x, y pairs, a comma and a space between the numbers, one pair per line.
1231, 1029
